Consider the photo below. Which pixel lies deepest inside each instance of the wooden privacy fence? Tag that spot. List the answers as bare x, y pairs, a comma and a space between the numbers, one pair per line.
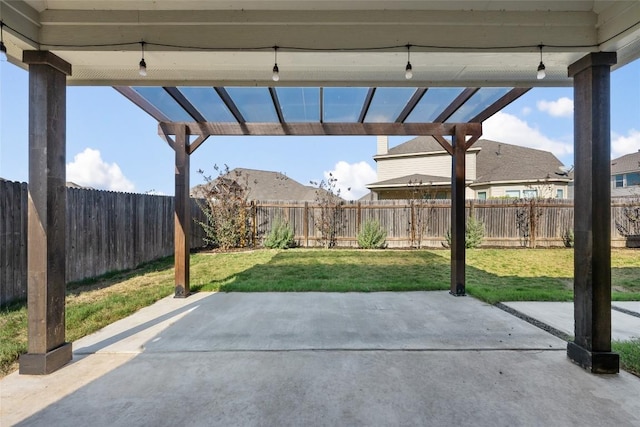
106, 231
424, 223
109, 231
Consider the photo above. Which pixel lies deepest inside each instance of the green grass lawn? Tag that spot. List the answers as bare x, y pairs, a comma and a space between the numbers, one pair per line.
492, 275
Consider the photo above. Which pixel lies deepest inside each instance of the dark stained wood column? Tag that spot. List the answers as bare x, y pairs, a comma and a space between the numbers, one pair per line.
458, 217
46, 254
592, 225
182, 213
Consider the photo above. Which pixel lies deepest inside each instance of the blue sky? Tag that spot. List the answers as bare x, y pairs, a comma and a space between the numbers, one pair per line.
113, 145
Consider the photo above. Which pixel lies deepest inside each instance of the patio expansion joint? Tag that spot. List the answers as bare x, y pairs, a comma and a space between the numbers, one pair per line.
535, 322
625, 311
365, 350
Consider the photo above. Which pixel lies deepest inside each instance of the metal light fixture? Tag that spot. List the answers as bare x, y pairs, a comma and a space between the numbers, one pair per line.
276, 71
3, 48
408, 70
143, 65
541, 68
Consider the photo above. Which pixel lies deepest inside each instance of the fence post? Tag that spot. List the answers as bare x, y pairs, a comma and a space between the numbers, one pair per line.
254, 214
412, 230
306, 224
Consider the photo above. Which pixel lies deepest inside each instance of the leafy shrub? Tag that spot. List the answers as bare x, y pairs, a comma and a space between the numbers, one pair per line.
281, 235
473, 234
567, 238
371, 236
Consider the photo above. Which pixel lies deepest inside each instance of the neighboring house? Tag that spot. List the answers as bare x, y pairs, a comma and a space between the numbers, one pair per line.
69, 184
625, 175
265, 185
493, 169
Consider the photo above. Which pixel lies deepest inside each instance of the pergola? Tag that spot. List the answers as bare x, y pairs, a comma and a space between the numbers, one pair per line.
201, 55
299, 111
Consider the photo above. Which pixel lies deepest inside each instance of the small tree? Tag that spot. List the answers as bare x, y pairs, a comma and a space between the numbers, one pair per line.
331, 218
630, 224
372, 236
223, 201
418, 202
529, 212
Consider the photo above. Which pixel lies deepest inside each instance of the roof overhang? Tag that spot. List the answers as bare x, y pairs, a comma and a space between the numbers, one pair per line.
322, 43
414, 181
541, 181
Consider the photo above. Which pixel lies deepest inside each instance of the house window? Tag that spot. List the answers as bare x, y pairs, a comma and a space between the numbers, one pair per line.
513, 193
482, 195
619, 181
633, 179
530, 194
559, 193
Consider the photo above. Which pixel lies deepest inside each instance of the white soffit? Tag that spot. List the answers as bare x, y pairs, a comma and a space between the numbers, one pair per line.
454, 43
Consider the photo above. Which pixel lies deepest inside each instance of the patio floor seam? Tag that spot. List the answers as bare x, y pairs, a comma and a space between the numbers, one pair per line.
535, 322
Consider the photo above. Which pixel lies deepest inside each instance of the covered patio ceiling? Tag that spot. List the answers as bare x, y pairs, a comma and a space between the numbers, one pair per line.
323, 43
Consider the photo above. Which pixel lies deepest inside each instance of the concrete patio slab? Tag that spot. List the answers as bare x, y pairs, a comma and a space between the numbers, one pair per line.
415, 358
624, 326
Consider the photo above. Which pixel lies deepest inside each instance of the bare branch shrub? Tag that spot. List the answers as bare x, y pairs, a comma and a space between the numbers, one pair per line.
228, 213
331, 218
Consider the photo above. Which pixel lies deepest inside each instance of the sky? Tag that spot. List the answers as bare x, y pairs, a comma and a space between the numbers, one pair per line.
113, 145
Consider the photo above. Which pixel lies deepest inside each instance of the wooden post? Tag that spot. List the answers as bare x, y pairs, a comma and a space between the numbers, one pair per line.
182, 214
412, 215
306, 224
46, 251
458, 222
592, 254
254, 223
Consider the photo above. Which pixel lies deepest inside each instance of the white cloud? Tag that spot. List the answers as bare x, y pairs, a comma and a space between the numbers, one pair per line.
89, 170
508, 128
563, 107
352, 178
526, 111
621, 144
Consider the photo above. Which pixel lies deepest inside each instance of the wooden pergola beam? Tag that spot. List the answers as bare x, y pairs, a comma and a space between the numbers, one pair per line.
145, 105
501, 103
318, 129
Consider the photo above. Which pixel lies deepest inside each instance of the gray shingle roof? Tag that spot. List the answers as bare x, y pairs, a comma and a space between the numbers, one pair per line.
267, 185
627, 163
421, 144
498, 161
415, 179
